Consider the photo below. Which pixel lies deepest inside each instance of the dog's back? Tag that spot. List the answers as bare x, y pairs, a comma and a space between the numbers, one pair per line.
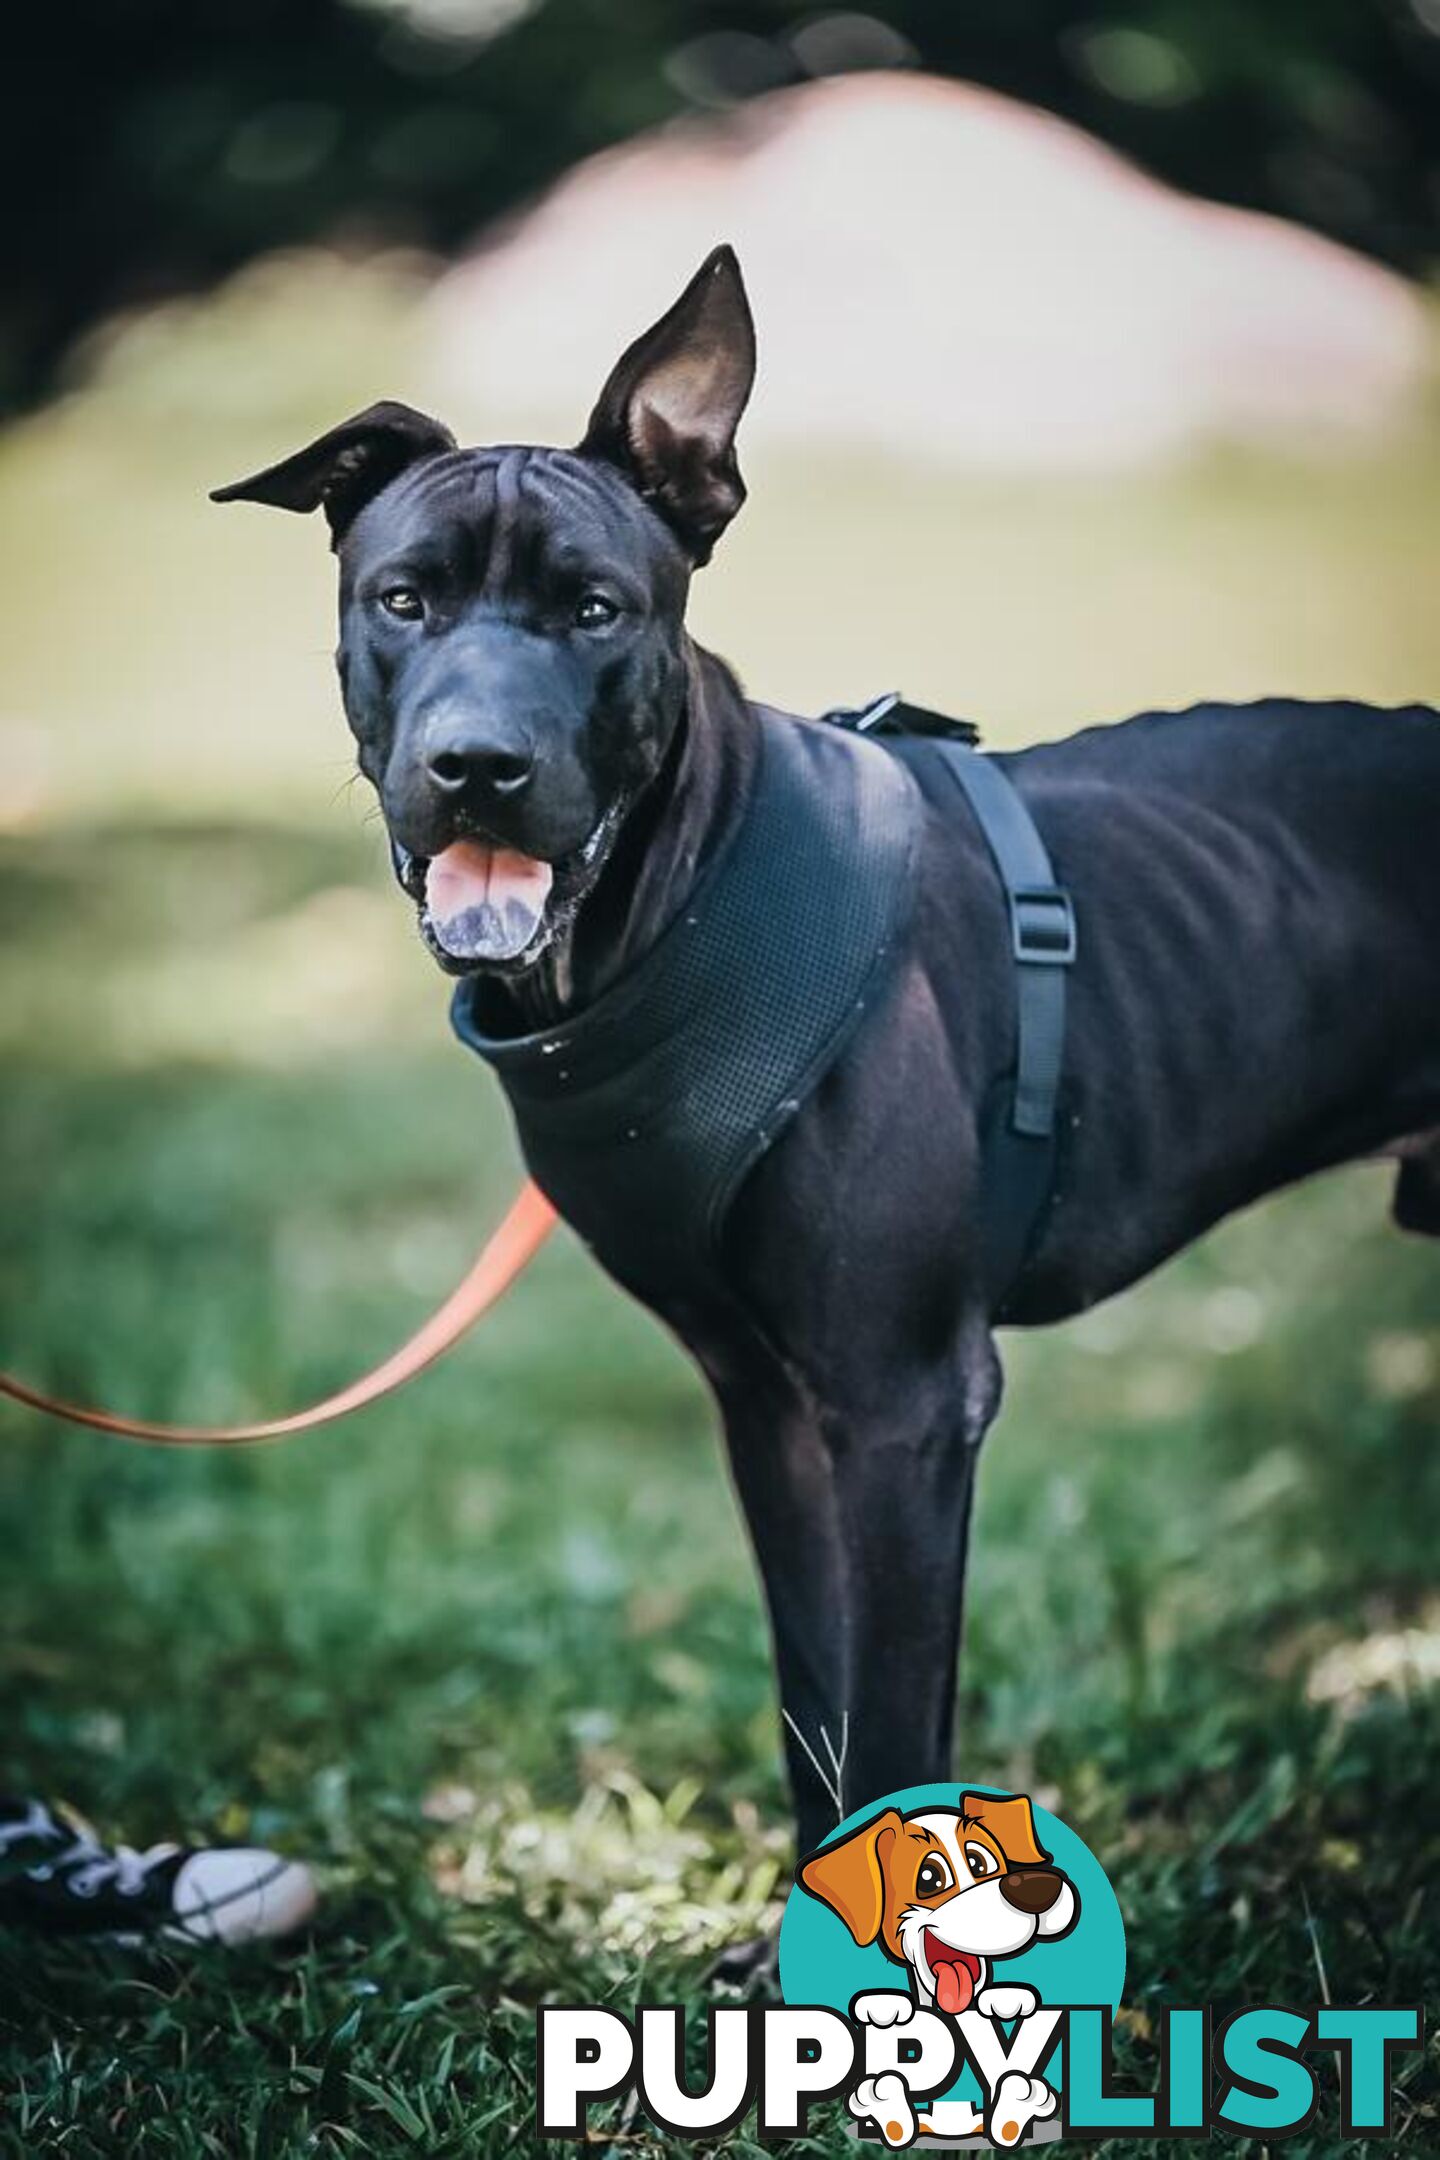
1357, 783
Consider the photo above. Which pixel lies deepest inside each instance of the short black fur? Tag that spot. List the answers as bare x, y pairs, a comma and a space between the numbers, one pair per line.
1258, 994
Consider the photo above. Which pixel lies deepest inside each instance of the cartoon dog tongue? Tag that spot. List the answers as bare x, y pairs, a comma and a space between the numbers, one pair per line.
954, 1988
485, 903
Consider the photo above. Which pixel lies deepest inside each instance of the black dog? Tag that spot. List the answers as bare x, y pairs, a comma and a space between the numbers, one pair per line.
1257, 994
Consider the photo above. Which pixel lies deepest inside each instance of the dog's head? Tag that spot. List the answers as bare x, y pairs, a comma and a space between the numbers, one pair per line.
512, 654
946, 1890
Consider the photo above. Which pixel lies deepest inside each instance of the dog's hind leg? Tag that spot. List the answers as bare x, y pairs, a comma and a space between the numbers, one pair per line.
860, 1520
1417, 1187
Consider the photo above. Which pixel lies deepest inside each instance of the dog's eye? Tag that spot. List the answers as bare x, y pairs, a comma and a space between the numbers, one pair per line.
934, 1876
981, 1861
593, 610
404, 601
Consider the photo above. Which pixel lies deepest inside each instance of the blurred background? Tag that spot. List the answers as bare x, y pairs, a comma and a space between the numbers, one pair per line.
1098, 352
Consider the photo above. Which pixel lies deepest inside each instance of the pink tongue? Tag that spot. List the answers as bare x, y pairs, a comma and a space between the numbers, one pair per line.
953, 1988
485, 902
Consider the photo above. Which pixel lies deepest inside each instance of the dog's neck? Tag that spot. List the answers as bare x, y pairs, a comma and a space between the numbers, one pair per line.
666, 836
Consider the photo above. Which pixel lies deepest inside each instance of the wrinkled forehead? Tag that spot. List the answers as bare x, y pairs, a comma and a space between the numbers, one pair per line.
509, 505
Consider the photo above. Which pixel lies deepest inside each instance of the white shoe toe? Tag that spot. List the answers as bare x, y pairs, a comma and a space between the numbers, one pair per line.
237, 1894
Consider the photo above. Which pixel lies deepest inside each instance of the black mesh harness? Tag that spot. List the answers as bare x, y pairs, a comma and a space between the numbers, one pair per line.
641, 1116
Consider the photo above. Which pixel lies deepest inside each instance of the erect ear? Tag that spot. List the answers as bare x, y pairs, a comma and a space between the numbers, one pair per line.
850, 1877
667, 416
343, 469
1011, 1823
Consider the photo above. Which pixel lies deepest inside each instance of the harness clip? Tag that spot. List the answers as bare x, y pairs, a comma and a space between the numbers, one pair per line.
1042, 925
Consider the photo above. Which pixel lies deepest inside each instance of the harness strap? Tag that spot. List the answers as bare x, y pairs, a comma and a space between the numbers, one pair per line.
1020, 1136
1021, 1139
1042, 935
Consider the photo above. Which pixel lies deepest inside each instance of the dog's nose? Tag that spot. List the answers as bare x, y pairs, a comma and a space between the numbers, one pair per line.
481, 767
1030, 1890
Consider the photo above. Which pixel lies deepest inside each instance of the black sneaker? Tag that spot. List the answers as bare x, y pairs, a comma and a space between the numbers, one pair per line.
56, 1878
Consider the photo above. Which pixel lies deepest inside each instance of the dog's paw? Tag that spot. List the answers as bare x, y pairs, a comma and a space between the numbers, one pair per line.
1007, 2002
886, 2100
1018, 2101
887, 2006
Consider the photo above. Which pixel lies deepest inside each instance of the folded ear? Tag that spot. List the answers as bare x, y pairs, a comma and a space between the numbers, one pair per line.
667, 416
1011, 1823
343, 469
849, 1876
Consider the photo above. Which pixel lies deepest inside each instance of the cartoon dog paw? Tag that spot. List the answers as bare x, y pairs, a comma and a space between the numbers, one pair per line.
1007, 2002
887, 2006
886, 2099
1018, 2101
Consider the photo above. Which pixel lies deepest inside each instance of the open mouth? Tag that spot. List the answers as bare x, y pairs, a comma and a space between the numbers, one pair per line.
483, 905
955, 1972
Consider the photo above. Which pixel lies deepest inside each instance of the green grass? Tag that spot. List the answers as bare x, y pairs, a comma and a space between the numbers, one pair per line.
491, 1655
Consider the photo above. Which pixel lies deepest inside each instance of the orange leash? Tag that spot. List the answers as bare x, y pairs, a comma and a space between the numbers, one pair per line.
509, 1251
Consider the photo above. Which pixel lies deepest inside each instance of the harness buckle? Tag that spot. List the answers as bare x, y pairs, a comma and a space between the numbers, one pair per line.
1042, 925
893, 715
862, 719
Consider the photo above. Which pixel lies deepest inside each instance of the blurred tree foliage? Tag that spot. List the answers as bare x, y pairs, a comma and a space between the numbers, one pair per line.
152, 145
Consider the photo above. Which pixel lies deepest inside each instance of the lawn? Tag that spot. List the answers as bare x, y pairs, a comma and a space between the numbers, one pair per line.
492, 1655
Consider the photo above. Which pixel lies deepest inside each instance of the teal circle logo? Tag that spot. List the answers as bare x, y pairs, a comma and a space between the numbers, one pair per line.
972, 1902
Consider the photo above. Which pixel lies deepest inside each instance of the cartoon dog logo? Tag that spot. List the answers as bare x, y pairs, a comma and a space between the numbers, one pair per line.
946, 1892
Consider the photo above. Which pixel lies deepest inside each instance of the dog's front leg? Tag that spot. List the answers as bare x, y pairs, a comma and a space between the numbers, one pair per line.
860, 1518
